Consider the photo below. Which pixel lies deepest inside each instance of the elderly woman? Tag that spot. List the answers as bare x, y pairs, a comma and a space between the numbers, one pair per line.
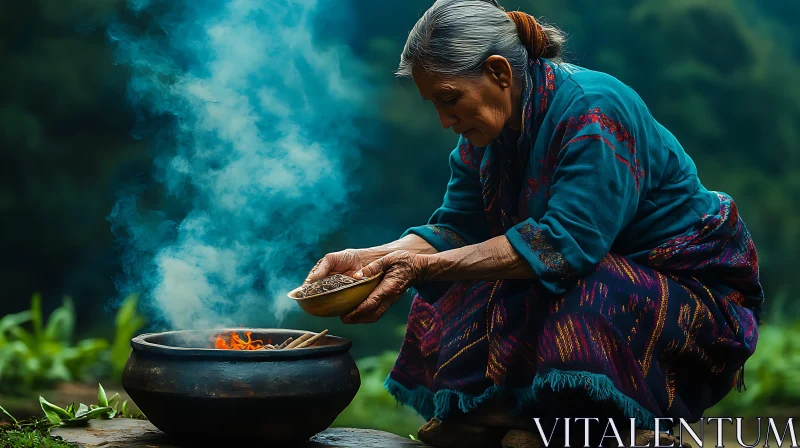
577, 265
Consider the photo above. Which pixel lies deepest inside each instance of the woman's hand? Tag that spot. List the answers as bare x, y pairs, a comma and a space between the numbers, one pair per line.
345, 262
349, 261
402, 269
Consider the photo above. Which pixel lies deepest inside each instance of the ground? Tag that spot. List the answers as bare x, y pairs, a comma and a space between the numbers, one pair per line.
128, 433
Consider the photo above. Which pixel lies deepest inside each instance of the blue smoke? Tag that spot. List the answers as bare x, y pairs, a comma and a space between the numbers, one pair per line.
252, 124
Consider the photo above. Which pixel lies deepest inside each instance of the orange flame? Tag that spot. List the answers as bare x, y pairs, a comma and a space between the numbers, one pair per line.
231, 340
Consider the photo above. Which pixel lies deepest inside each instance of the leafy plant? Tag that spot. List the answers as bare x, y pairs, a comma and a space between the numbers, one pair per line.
35, 353
7, 414
373, 407
35, 433
42, 354
106, 408
128, 323
770, 374
71, 416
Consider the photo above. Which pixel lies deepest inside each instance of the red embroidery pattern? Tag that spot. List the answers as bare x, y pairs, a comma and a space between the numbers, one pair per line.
563, 136
546, 168
470, 155
617, 129
546, 88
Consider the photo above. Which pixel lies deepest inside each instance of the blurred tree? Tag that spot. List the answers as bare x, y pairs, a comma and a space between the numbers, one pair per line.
64, 137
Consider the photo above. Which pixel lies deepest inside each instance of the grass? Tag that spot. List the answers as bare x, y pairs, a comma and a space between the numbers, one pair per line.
30, 438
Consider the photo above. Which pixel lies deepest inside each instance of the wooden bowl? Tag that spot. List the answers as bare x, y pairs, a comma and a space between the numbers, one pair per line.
337, 302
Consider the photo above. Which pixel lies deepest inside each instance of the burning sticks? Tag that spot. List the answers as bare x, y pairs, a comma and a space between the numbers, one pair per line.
232, 341
312, 340
284, 343
306, 340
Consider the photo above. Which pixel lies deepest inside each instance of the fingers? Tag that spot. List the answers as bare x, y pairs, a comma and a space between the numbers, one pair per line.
371, 309
342, 262
320, 270
358, 315
368, 312
398, 275
374, 268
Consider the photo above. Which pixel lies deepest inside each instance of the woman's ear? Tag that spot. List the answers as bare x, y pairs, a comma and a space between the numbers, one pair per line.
499, 71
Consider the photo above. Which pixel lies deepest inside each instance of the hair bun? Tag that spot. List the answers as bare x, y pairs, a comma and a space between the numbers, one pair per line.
530, 33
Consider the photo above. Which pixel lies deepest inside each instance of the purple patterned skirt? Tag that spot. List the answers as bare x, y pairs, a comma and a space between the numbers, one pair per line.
654, 342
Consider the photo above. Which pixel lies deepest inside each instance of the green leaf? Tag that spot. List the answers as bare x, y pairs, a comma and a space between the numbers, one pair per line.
88, 348
125, 409
99, 412
128, 323
36, 315
75, 422
71, 409
82, 356
113, 402
61, 323
12, 355
54, 413
57, 371
127, 311
9, 416
13, 320
25, 337
85, 414
102, 400
82, 410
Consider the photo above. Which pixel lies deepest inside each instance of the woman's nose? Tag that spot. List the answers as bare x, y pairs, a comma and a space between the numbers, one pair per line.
447, 120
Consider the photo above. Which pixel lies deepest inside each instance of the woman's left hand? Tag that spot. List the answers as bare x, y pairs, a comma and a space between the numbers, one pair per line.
402, 269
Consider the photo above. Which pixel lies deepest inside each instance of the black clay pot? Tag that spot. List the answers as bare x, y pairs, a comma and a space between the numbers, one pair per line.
192, 392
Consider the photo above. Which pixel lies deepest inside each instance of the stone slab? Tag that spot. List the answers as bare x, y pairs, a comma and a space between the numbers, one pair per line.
130, 433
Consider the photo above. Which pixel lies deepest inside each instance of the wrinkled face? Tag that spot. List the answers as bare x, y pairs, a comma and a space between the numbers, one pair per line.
478, 108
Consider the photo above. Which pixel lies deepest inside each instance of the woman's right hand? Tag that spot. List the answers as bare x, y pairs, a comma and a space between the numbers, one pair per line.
347, 262
350, 261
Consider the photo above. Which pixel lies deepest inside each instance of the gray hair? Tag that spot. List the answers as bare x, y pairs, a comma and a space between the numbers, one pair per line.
455, 37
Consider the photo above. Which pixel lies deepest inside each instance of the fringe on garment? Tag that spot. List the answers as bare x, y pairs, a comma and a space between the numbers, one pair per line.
599, 387
739, 380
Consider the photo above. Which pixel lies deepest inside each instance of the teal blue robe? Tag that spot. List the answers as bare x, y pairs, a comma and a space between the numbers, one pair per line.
646, 291
595, 173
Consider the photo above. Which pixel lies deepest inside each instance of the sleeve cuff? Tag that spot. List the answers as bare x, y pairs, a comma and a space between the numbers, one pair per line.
442, 238
550, 266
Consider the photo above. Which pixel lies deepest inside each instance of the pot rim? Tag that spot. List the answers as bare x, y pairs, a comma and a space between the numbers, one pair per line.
142, 343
